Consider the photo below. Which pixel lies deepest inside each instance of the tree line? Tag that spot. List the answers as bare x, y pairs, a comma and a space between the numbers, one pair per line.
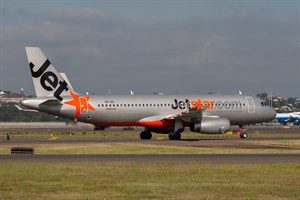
9, 113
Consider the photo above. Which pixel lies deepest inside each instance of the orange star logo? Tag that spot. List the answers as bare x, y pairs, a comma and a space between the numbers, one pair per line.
80, 103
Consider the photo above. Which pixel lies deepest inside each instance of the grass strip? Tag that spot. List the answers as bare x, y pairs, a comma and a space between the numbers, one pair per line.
258, 147
157, 180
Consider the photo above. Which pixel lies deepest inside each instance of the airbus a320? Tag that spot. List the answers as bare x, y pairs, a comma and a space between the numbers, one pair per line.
168, 114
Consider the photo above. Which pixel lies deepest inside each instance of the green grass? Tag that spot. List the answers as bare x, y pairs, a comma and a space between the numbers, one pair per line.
265, 147
158, 180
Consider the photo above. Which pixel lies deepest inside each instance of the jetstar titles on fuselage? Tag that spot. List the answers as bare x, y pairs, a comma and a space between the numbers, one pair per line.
207, 104
182, 105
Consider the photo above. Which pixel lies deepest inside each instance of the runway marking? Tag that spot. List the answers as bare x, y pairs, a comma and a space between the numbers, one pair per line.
52, 138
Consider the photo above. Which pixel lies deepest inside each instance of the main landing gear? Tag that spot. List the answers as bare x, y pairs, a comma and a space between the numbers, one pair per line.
146, 135
178, 129
175, 135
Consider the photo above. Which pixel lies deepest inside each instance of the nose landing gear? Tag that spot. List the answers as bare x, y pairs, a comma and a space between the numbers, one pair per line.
242, 132
243, 135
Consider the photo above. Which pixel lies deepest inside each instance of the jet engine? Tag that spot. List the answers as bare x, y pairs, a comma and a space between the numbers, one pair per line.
210, 125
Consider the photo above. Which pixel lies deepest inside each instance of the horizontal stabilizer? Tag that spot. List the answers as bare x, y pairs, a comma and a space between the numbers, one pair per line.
25, 109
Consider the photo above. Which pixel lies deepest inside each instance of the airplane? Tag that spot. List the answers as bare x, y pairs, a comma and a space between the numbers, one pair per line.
167, 114
288, 118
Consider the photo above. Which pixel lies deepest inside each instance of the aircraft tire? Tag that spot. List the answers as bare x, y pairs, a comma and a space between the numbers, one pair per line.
177, 135
244, 135
145, 135
174, 135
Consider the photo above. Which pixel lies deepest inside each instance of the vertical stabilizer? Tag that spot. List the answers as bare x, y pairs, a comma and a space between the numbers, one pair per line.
47, 80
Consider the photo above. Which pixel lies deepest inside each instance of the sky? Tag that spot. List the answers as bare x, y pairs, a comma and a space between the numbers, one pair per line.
168, 46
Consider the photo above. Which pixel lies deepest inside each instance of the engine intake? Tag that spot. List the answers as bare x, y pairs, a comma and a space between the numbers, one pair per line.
210, 125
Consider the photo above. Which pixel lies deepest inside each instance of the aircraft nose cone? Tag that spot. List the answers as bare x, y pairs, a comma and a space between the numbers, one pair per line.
272, 113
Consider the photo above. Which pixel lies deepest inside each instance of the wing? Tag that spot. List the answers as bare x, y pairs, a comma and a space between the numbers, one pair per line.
186, 116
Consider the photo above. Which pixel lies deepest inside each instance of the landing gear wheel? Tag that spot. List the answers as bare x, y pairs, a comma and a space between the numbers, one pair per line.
145, 135
244, 135
174, 135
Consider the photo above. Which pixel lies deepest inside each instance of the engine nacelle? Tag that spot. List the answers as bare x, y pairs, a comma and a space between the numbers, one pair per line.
210, 125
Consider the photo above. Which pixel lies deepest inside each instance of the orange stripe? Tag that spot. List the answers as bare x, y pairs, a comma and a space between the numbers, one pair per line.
158, 123
116, 123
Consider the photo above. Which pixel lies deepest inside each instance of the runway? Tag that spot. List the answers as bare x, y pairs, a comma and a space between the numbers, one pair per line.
60, 127
229, 142
232, 142
201, 158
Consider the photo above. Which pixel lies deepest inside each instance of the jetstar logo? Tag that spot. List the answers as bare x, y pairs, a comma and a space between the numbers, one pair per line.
80, 103
208, 104
49, 80
198, 104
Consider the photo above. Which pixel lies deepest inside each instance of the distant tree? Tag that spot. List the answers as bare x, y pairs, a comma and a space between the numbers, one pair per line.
9, 113
291, 100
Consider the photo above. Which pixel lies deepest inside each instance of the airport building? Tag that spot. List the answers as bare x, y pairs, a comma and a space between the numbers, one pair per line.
8, 97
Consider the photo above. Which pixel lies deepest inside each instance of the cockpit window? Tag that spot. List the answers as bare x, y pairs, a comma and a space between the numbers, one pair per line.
263, 103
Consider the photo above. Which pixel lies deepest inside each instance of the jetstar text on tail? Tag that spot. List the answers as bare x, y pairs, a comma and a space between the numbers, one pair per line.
207, 104
49, 80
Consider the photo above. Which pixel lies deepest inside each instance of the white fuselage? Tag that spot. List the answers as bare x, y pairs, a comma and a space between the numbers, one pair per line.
128, 110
